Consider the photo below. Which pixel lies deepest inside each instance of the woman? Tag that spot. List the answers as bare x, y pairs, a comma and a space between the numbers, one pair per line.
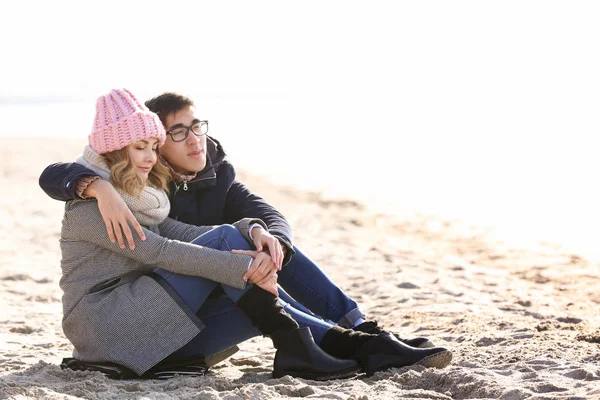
118, 309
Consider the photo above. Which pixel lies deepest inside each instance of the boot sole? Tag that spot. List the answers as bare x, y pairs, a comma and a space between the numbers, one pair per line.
437, 360
214, 359
349, 373
426, 345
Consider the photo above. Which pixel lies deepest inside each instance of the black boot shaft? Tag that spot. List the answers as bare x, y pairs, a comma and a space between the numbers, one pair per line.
298, 355
373, 328
344, 343
265, 312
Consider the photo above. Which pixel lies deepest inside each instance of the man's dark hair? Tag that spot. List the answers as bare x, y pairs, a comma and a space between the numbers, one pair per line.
168, 103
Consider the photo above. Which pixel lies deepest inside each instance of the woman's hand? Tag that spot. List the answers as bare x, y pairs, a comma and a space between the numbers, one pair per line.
262, 271
115, 213
263, 238
269, 283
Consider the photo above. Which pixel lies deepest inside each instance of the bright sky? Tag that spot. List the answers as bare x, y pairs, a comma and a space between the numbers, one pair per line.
468, 97
429, 52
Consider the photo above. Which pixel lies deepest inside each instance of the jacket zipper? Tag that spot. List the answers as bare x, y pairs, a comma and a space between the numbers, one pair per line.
185, 187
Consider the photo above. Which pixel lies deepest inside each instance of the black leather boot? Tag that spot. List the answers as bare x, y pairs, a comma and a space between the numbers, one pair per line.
382, 351
299, 356
297, 353
371, 327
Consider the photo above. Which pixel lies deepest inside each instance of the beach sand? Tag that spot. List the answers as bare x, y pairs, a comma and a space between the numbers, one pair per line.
521, 322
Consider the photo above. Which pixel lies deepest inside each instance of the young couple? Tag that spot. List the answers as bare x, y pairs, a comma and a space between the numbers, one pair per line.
195, 290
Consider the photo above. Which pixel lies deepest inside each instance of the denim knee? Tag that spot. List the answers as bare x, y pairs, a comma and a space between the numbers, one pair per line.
233, 237
228, 230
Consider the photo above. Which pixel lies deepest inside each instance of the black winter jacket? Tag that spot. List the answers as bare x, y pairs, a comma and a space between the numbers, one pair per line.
214, 197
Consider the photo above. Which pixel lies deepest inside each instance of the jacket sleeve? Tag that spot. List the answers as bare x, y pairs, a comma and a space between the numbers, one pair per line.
242, 203
59, 180
83, 222
176, 230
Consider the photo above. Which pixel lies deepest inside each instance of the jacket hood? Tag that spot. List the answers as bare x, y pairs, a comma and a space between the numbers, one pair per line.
215, 153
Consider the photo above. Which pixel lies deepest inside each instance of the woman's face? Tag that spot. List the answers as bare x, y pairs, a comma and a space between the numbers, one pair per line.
143, 155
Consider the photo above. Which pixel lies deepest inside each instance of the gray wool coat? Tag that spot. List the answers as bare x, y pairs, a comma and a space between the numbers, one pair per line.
113, 309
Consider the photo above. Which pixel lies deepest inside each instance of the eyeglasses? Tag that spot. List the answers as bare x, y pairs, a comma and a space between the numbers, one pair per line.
179, 134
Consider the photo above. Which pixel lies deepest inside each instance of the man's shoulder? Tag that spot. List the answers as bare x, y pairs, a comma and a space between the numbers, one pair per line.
226, 168
225, 175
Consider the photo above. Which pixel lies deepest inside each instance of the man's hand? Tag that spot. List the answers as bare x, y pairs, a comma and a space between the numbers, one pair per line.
263, 238
115, 213
262, 271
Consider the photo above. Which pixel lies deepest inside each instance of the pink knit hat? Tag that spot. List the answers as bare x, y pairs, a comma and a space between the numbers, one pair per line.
122, 120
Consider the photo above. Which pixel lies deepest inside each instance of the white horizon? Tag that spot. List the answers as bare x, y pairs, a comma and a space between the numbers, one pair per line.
475, 108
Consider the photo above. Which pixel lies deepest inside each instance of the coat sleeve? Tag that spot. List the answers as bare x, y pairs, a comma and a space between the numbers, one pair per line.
82, 221
242, 203
59, 180
176, 230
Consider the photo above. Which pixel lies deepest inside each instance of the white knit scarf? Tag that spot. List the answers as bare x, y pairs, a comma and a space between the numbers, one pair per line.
150, 208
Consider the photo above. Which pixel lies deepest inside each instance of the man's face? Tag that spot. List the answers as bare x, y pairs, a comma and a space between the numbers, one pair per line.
189, 155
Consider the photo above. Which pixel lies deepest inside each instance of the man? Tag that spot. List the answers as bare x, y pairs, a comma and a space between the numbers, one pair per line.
204, 191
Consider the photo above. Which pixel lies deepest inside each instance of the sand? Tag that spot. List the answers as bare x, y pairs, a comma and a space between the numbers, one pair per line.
522, 322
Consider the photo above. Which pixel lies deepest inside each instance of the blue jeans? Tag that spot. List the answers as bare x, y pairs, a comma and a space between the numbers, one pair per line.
226, 325
309, 285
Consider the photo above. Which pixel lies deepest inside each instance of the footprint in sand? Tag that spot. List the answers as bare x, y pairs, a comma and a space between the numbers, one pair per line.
488, 341
255, 370
17, 277
294, 391
546, 388
249, 361
24, 277
541, 364
43, 299
569, 320
25, 330
407, 285
592, 337
583, 374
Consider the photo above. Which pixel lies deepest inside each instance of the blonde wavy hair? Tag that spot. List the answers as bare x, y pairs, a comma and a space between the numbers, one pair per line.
125, 177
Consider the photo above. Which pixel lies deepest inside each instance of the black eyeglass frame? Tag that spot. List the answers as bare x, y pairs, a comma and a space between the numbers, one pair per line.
188, 129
